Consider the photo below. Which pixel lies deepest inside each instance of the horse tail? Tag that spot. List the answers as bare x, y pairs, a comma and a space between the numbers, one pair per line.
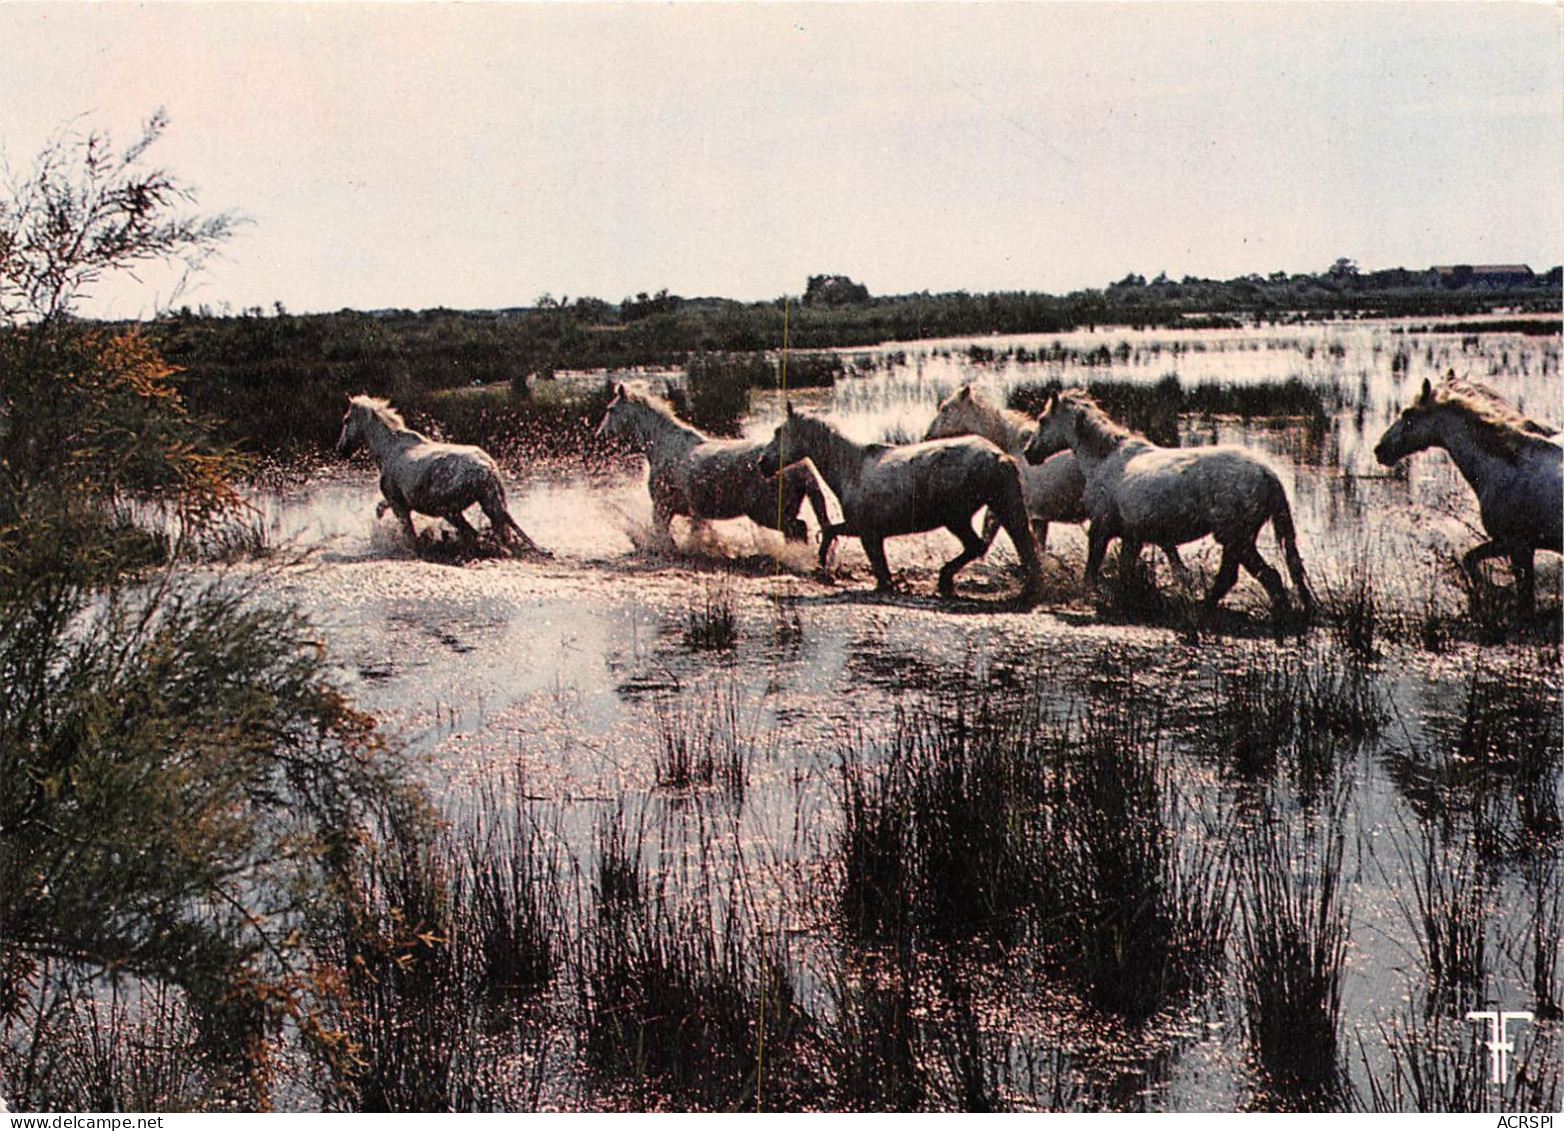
1009, 506
493, 504
527, 543
1287, 538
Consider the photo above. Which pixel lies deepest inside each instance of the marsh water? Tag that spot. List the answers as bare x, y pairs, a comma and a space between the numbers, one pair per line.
558, 683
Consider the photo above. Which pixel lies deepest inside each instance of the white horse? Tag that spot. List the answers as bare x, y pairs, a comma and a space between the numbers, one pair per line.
1510, 461
1052, 488
886, 490
703, 478
1139, 492
424, 475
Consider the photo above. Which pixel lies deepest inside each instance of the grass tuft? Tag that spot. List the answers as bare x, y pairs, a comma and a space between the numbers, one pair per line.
712, 626
1292, 958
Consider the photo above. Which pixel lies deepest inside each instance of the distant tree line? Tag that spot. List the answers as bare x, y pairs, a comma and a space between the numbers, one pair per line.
281, 377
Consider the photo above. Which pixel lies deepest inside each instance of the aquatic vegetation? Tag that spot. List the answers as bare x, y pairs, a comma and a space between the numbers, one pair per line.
1137, 921
1292, 957
711, 626
682, 1001
945, 838
1449, 913
704, 742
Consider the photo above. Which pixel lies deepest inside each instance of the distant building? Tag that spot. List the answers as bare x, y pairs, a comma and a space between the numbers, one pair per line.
1496, 276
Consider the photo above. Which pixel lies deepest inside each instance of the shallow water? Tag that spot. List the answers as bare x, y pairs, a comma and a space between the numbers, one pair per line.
555, 677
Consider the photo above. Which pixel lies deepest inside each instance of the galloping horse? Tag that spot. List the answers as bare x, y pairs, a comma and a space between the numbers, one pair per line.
1510, 461
424, 475
1052, 488
703, 478
886, 490
1139, 492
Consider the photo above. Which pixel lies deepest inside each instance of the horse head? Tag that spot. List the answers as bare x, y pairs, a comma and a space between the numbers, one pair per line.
783, 448
352, 434
1055, 429
1411, 431
953, 417
612, 423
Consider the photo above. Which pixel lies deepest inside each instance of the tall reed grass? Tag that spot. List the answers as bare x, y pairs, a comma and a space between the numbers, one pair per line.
1138, 922
1292, 957
684, 1000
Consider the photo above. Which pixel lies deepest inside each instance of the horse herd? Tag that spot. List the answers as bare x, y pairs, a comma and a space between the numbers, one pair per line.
1071, 464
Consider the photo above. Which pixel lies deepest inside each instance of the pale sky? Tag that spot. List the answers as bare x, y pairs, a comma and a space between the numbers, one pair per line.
475, 156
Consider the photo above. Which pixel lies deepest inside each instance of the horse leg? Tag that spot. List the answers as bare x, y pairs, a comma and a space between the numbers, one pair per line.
406, 517
1180, 570
1475, 557
1039, 527
662, 524
1097, 539
990, 526
972, 546
1267, 575
1008, 504
812, 491
1226, 577
774, 504
1523, 564
790, 493
387, 495
1129, 561
399, 507
467, 532
874, 548
828, 534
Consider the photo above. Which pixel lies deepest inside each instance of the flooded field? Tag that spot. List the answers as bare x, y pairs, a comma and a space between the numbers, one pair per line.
789, 843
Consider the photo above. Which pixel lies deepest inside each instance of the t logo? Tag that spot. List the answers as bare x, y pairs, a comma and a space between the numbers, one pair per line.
1499, 1044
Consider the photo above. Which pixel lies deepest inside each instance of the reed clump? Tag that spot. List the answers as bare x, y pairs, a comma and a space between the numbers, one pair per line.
684, 1002
1497, 758
1155, 408
705, 743
712, 625
1138, 923
993, 824
943, 840
1306, 709
1292, 958
1449, 914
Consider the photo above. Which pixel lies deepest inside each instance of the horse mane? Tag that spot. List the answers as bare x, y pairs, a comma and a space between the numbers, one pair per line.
658, 404
1012, 418
829, 432
819, 423
1099, 432
1497, 426
381, 409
